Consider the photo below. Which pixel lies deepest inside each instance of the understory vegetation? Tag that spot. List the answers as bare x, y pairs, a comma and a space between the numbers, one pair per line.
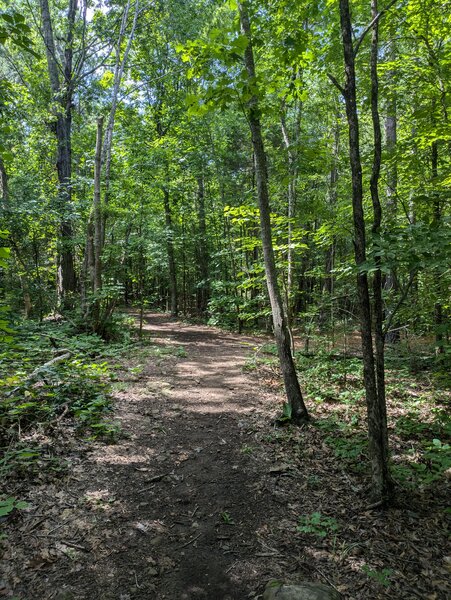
418, 407
54, 380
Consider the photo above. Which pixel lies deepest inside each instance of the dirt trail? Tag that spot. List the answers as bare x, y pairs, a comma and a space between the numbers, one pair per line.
173, 510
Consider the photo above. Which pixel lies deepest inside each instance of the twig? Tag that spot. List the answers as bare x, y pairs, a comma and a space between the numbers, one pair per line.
195, 511
191, 541
327, 579
231, 566
377, 504
76, 546
136, 580
61, 525
64, 413
153, 480
36, 524
36, 372
399, 303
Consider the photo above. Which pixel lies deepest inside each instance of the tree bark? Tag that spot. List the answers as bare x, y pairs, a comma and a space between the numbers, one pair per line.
203, 287
438, 309
97, 209
63, 98
171, 254
4, 188
376, 436
391, 283
376, 231
117, 78
294, 395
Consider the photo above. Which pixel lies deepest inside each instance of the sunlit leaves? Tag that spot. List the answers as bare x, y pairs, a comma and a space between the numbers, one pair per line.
14, 29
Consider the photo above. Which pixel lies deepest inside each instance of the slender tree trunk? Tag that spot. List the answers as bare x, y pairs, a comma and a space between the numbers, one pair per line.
203, 287
292, 388
117, 78
63, 98
438, 309
376, 231
291, 196
171, 254
328, 285
184, 274
391, 283
97, 209
4, 188
376, 433
141, 267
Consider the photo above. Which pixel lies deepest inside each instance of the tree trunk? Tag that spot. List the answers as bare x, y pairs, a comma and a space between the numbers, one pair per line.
376, 433
294, 396
391, 283
328, 285
4, 189
171, 254
291, 196
63, 97
438, 309
376, 231
203, 287
97, 209
117, 78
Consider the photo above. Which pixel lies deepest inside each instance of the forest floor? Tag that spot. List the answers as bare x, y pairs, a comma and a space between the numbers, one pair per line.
202, 497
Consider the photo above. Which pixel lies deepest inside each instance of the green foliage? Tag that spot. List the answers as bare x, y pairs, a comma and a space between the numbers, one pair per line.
318, 525
352, 450
413, 425
426, 467
70, 387
10, 504
328, 378
381, 577
29, 460
227, 518
14, 29
39, 392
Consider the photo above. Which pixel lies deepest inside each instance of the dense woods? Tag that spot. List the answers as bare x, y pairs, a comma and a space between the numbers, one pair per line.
262, 166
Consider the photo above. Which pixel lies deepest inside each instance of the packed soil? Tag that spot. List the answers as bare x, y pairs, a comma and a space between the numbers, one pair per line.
200, 497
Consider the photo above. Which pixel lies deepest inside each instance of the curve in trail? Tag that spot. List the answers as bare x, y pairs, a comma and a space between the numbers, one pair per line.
181, 499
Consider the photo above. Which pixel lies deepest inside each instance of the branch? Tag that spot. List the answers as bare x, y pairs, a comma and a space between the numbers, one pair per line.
93, 70
336, 84
370, 26
399, 303
38, 371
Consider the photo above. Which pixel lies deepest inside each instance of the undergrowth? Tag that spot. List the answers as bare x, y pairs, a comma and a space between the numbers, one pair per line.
53, 377
419, 422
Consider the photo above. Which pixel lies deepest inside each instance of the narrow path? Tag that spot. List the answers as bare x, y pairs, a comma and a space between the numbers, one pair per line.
173, 510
